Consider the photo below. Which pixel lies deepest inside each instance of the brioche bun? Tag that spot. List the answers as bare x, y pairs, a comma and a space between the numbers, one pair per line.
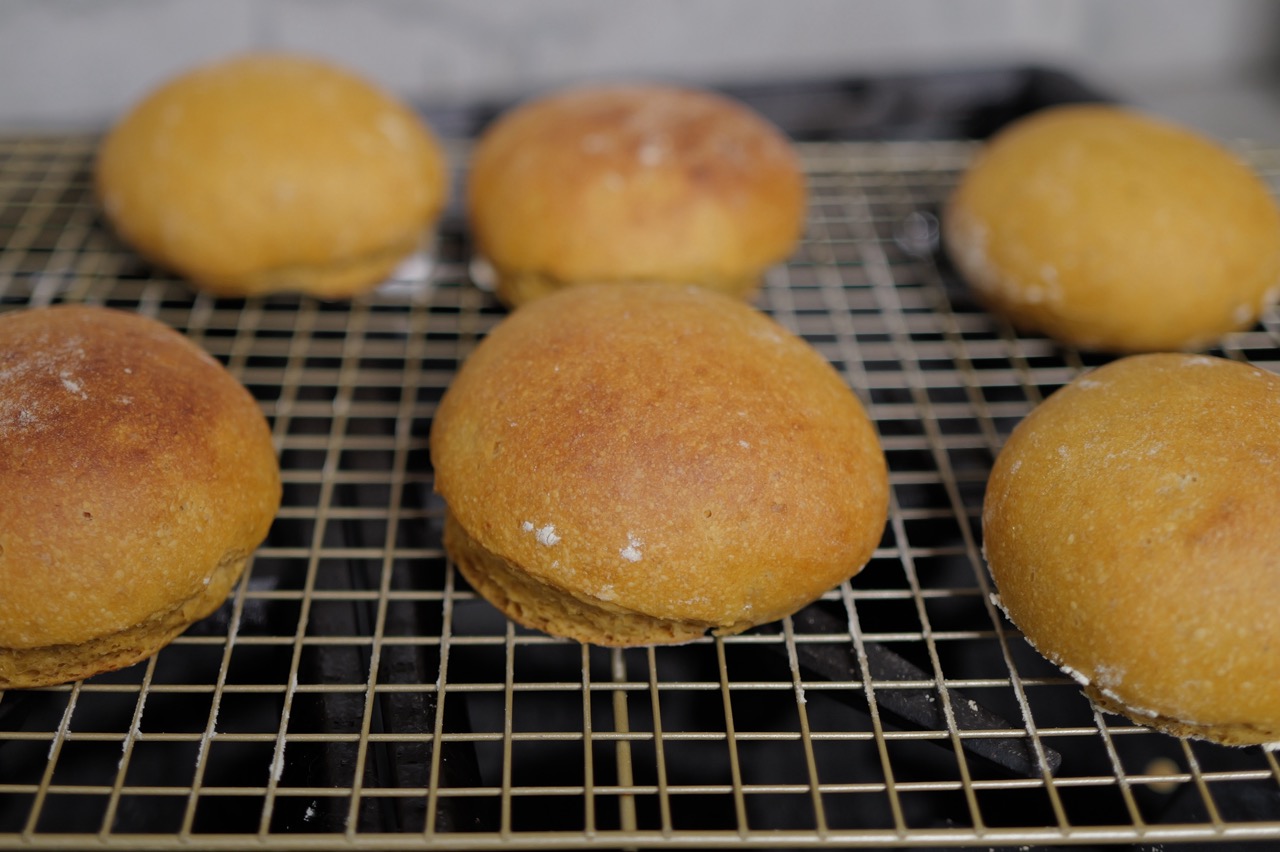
138, 476
1130, 528
1111, 230
272, 172
630, 183
636, 465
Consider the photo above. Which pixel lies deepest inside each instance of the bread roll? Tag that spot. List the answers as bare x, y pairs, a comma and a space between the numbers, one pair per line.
138, 476
1111, 230
1130, 527
272, 172
631, 183
636, 465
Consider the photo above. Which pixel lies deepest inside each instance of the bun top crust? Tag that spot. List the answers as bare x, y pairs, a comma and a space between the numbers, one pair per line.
1130, 527
1109, 229
269, 162
635, 182
131, 463
666, 449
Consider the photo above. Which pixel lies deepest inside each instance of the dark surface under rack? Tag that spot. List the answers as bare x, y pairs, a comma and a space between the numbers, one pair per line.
354, 693
963, 104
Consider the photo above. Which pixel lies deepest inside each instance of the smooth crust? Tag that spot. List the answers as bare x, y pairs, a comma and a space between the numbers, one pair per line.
634, 465
633, 183
1107, 229
1130, 528
272, 172
138, 476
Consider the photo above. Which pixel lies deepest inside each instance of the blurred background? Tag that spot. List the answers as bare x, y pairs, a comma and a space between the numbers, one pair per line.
76, 64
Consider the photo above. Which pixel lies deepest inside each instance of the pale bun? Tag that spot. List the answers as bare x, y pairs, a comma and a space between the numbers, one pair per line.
138, 476
639, 182
273, 172
636, 465
1130, 528
1111, 230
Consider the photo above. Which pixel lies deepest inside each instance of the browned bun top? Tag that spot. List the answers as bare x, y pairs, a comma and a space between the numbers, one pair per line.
637, 182
1130, 527
1109, 229
665, 452
135, 470
272, 172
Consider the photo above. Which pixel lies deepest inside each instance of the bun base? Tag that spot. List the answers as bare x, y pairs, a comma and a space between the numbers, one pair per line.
341, 279
517, 287
23, 668
1240, 734
541, 606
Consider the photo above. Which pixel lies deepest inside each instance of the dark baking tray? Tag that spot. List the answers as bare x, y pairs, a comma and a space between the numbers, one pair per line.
963, 104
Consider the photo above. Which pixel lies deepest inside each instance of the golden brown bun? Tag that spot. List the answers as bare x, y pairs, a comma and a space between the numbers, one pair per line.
272, 172
1130, 527
1110, 230
635, 465
138, 476
633, 183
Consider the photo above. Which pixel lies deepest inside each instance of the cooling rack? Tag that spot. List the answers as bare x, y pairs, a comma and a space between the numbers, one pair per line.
354, 692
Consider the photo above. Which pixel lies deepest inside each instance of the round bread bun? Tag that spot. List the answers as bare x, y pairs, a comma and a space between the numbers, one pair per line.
138, 476
639, 465
638, 182
1130, 528
1110, 230
272, 172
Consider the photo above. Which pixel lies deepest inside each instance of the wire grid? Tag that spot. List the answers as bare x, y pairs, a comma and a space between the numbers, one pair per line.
353, 692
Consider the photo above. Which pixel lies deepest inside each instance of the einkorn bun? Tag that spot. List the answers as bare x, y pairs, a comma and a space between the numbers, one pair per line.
273, 172
635, 465
1130, 527
137, 478
633, 183
1111, 230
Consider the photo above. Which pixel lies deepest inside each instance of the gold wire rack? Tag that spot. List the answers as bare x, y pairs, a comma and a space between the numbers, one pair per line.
354, 693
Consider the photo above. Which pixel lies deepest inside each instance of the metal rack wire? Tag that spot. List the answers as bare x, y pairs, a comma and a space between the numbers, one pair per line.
354, 693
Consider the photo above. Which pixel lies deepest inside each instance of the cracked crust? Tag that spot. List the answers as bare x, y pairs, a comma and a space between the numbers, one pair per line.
560, 611
1223, 733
